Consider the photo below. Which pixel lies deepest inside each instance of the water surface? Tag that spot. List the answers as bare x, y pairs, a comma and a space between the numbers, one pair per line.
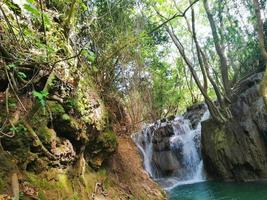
213, 190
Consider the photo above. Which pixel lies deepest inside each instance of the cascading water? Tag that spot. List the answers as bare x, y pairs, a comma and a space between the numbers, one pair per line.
171, 151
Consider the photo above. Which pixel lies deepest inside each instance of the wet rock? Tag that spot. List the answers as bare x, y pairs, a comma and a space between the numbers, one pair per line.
177, 146
161, 138
194, 113
163, 120
171, 117
166, 161
197, 141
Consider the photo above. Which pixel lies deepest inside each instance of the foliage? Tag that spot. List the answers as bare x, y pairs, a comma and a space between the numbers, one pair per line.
41, 97
18, 129
130, 55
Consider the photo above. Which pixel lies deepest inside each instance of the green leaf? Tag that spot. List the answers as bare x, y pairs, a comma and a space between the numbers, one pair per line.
11, 66
12, 6
31, 1
22, 75
95, 68
32, 10
41, 96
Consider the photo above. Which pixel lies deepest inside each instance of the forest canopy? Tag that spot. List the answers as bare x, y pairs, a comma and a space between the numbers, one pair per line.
152, 57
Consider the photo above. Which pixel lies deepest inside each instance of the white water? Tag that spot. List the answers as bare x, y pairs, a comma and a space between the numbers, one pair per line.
184, 145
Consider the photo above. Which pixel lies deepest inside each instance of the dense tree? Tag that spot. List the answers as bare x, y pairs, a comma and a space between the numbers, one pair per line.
129, 47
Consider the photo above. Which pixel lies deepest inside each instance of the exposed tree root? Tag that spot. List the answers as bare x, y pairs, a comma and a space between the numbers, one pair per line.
15, 184
37, 141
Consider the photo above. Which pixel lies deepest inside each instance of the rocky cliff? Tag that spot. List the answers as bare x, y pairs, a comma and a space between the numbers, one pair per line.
237, 150
57, 136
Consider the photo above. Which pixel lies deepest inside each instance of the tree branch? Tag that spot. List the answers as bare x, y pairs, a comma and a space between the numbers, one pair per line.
178, 14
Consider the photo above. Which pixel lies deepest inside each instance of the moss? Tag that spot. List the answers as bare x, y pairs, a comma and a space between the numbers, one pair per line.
66, 117
76, 196
71, 103
263, 88
49, 83
64, 182
41, 195
108, 140
72, 122
53, 184
38, 117
2, 183
220, 139
19, 146
12, 102
46, 135
56, 108
40, 183
35, 164
60, 181
89, 104
101, 148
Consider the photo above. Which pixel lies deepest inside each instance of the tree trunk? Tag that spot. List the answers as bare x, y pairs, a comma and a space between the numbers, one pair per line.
219, 50
259, 26
215, 113
191, 29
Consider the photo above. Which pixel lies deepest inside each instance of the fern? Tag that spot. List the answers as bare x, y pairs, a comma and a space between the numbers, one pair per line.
41, 97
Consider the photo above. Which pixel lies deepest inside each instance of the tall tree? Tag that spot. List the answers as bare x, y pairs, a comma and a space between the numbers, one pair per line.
216, 114
260, 30
219, 49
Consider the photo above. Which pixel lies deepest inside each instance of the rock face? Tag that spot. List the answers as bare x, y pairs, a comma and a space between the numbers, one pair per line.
237, 149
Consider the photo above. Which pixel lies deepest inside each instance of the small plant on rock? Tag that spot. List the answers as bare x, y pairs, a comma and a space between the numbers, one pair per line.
41, 97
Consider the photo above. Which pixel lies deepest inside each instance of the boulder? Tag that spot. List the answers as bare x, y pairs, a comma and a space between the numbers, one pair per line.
166, 161
194, 113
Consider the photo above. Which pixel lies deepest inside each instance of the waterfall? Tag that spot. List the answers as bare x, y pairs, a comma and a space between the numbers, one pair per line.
171, 151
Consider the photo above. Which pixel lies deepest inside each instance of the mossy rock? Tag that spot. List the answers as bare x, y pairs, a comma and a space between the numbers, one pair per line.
36, 164
263, 88
38, 118
89, 104
108, 141
55, 108
71, 104
47, 135
101, 148
55, 184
